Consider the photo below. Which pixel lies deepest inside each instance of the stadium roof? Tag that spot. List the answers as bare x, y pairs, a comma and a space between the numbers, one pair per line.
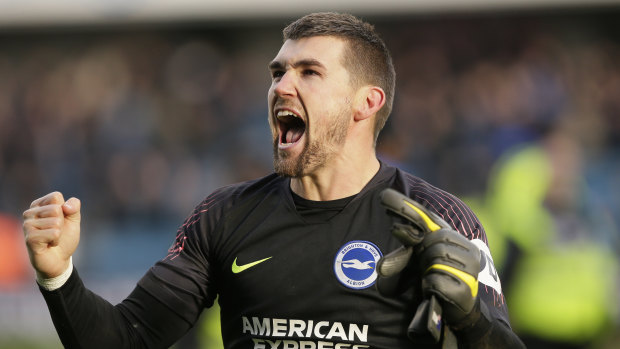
85, 12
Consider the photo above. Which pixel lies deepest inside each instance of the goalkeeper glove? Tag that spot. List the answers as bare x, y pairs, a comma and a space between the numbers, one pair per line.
447, 262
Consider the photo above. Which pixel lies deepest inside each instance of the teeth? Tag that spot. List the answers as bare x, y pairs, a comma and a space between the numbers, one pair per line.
283, 113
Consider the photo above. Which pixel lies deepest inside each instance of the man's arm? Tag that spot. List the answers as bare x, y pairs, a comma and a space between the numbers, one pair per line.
483, 331
85, 320
82, 318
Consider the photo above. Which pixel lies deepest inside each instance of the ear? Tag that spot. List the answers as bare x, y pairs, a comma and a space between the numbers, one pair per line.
370, 100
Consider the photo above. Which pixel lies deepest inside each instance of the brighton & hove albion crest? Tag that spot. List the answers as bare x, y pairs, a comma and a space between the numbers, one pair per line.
355, 264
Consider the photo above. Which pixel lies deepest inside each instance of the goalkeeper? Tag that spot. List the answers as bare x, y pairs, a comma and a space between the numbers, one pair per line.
292, 257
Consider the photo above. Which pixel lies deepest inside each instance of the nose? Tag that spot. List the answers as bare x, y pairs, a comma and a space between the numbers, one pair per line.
286, 85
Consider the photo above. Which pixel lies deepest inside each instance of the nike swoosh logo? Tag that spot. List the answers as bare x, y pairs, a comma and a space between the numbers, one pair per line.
239, 268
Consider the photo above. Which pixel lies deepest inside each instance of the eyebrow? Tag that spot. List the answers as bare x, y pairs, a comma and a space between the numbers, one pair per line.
277, 65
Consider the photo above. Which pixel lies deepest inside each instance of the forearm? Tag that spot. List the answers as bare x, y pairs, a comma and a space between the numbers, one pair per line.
487, 332
85, 320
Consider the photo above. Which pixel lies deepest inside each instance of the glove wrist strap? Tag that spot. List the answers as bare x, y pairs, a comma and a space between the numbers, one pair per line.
476, 322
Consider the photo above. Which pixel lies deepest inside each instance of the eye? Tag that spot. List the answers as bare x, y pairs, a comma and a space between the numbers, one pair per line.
310, 72
277, 74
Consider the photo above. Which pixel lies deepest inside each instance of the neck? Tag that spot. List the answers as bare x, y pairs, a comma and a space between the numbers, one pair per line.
342, 177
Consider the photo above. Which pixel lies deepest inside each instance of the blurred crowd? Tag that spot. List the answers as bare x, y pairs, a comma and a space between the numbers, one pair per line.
137, 125
142, 124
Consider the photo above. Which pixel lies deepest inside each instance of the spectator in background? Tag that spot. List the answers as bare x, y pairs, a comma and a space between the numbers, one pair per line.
561, 280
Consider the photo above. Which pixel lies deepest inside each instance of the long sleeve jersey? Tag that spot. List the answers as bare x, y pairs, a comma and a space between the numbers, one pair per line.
288, 273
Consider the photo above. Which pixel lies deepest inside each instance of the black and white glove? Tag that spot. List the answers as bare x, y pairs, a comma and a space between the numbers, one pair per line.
446, 261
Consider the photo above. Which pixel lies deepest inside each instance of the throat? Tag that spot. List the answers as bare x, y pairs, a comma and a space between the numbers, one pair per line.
335, 179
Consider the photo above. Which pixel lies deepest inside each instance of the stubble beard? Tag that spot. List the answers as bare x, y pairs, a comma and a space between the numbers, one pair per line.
316, 153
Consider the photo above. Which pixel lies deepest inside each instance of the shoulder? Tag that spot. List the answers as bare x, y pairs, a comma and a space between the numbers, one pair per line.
216, 208
227, 197
448, 206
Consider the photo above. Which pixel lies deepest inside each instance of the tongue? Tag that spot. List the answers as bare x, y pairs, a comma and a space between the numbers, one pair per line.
293, 135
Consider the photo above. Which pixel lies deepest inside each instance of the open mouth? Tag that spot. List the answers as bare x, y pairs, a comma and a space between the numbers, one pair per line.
291, 127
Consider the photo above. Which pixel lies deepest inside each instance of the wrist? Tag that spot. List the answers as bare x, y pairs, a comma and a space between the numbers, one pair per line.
470, 320
51, 284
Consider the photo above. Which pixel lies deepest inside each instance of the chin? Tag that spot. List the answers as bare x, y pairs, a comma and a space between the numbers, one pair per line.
284, 164
287, 168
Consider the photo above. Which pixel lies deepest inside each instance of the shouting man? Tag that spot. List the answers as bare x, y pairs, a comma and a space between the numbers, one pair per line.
302, 258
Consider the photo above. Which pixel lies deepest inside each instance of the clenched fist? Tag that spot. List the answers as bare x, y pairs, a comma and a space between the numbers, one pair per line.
52, 233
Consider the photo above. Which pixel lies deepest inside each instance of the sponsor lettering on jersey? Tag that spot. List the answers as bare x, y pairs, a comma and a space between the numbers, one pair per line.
355, 264
291, 344
304, 334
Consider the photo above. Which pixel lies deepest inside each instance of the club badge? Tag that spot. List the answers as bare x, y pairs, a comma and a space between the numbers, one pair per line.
355, 264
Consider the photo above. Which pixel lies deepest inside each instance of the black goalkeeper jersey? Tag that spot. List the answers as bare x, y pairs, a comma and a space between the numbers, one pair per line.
289, 273
288, 278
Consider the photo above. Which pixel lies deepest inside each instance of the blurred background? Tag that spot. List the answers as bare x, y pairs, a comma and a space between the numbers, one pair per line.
141, 109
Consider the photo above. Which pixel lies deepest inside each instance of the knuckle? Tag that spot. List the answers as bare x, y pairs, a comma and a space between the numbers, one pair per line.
57, 222
56, 196
29, 240
27, 214
33, 237
54, 234
57, 211
27, 228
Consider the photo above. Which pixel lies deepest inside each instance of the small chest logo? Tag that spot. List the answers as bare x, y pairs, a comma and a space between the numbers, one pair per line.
355, 264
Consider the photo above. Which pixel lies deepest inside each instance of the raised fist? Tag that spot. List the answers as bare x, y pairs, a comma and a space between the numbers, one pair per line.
52, 233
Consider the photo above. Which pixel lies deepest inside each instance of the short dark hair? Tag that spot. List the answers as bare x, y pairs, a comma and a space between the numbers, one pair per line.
366, 57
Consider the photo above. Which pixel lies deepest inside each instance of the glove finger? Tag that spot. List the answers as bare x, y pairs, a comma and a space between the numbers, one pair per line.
457, 296
467, 261
395, 272
407, 234
395, 285
451, 249
412, 211
450, 281
394, 262
442, 235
